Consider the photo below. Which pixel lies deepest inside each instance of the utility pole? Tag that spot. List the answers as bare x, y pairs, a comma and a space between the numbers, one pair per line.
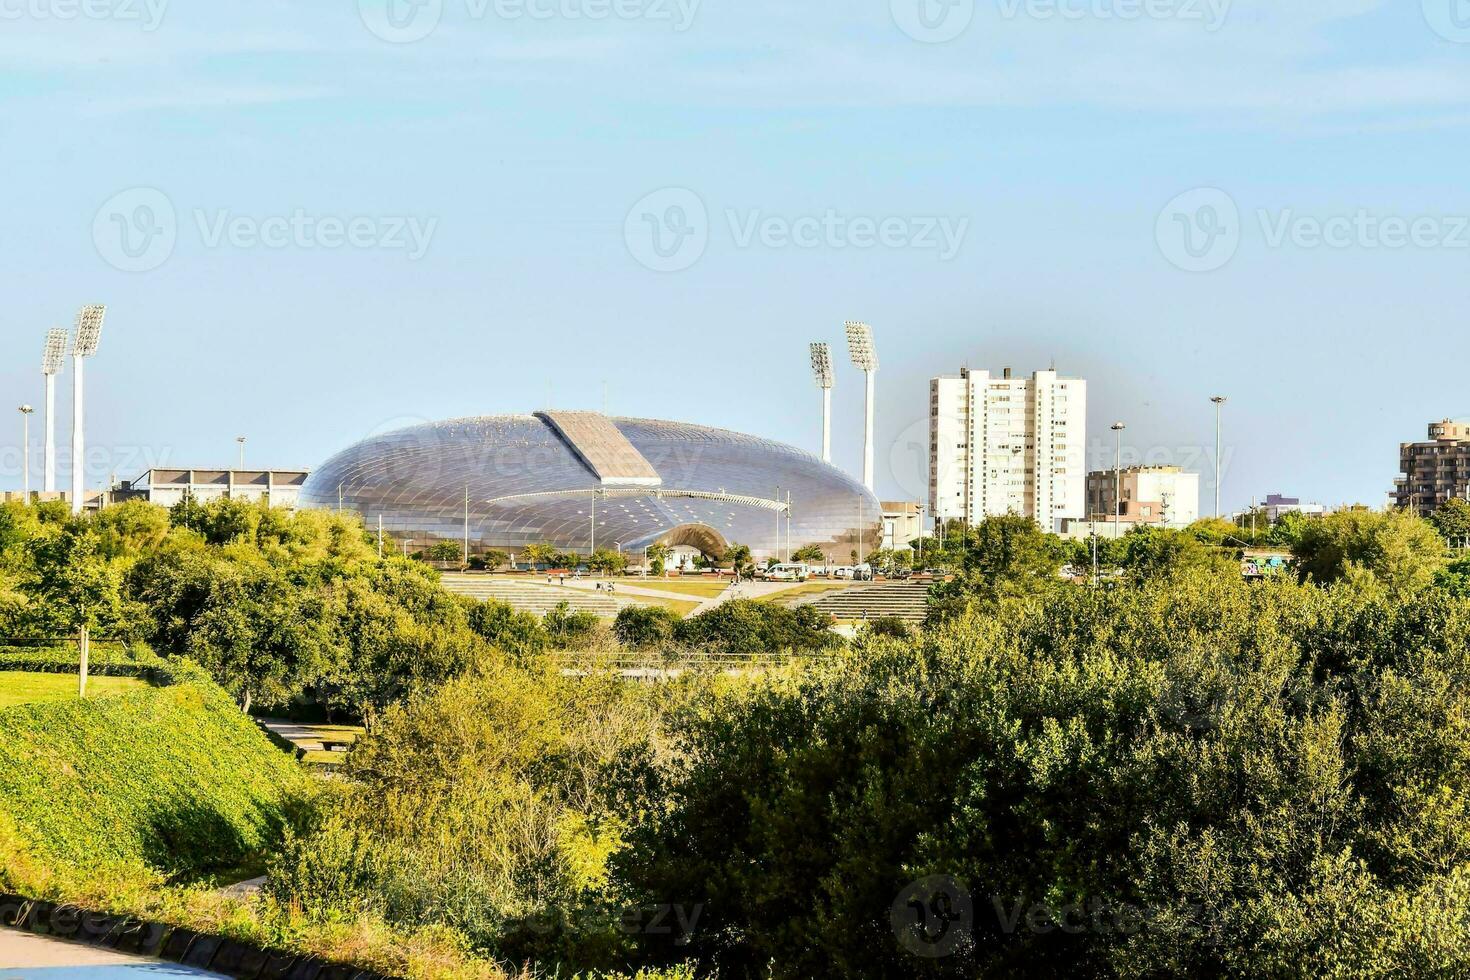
788, 526
1094, 554
380, 536
1118, 427
466, 525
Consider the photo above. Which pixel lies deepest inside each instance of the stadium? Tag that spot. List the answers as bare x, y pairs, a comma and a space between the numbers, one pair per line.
581, 481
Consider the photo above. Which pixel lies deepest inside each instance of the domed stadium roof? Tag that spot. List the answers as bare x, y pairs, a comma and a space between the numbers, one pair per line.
539, 479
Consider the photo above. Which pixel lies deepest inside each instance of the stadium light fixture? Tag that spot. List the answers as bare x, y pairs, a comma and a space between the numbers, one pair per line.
84, 345
822, 368
52, 360
865, 357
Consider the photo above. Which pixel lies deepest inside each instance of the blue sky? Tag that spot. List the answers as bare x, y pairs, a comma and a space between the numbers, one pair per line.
361, 220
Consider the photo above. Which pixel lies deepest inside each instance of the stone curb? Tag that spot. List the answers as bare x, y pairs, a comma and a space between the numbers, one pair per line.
185, 946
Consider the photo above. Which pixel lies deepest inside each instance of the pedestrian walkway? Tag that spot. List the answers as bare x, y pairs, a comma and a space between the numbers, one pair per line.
26, 956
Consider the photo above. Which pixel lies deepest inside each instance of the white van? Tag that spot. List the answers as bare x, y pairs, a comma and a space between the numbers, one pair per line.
787, 573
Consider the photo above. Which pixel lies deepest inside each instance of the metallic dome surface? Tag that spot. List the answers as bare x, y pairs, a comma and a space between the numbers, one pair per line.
572, 479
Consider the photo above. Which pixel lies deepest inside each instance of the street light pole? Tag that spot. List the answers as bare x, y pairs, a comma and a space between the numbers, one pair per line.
25, 451
1219, 401
240, 440
1118, 427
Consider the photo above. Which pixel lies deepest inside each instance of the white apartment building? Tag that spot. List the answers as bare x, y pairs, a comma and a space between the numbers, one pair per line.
1007, 445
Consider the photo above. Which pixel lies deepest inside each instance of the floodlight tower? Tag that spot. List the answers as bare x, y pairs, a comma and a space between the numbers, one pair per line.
822, 368
84, 345
25, 448
51, 363
865, 357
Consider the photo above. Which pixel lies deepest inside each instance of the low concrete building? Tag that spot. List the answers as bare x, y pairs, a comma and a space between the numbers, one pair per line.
903, 524
1432, 472
1163, 495
166, 487
1275, 506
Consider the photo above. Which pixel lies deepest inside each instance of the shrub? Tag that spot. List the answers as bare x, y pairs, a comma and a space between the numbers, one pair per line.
570, 630
890, 627
744, 627
1260, 781
646, 627
503, 627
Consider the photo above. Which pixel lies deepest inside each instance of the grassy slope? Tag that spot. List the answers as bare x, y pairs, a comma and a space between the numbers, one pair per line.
18, 687
174, 777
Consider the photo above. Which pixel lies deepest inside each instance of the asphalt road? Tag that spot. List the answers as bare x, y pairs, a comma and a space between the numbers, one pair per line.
25, 956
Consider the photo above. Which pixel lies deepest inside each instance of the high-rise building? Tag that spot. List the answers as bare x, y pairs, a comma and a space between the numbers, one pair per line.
1432, 472
1008, 445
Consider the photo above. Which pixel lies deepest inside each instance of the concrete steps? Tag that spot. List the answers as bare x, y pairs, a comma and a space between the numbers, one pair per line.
532, 597
908, 601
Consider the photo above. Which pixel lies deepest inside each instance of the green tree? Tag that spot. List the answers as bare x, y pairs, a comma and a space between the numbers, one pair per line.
131, 529
1452, 521
539, 555
1149, 553
1004, 557
493, 560
739, 558
607, 562
646, 627
1398, 549
1277, 774
658, 558
810, 555
568, 630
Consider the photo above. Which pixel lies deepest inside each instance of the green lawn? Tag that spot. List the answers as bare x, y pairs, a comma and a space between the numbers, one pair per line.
18, 687
681, 606
703, 588
808, 589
